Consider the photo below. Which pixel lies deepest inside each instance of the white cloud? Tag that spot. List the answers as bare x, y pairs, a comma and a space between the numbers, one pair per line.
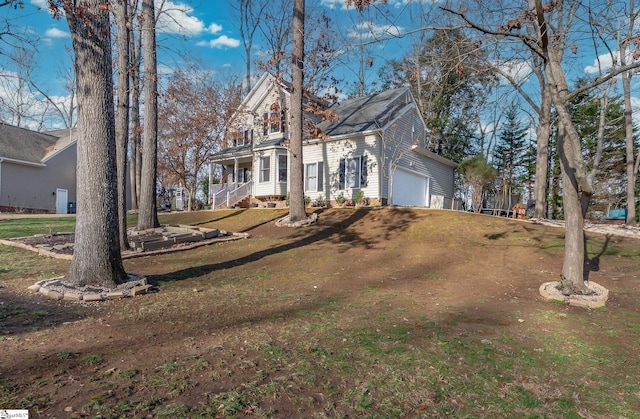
401, 3
176, 18
604, 62
35, 110
221, 42
369, 30
43, 4
519, 71
333, 4
56, 33
342, 4
214, 28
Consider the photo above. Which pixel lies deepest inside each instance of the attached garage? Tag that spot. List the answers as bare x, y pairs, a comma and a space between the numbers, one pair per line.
409, 189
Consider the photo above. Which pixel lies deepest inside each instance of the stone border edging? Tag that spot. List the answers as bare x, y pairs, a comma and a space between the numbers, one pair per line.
550, 292
56, 289
284, 221
128, 254
41, 252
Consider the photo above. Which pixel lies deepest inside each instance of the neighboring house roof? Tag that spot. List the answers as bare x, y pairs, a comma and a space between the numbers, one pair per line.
66, 138
366, 113
24, 145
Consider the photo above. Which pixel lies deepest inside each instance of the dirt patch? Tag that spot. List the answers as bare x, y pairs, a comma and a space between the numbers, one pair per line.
385, 313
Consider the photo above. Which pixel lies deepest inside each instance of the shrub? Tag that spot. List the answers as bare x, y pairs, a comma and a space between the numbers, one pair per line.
287, 200
359, 198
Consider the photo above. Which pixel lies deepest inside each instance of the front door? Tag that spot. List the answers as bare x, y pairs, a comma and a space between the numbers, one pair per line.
61, 201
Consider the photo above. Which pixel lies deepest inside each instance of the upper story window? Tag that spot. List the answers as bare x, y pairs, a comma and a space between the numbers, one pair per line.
242, 136
273, 121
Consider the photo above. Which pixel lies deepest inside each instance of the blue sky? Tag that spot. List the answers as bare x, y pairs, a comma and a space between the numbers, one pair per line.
207, 30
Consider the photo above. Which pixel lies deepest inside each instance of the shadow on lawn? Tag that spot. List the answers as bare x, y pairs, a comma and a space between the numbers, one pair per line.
213, 220
337, 230
21, 314
593, 264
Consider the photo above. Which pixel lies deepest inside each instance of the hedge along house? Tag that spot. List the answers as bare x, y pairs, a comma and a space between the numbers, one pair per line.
371, 147
37, 170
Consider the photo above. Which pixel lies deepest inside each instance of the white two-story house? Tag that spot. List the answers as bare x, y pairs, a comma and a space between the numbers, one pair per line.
372, 147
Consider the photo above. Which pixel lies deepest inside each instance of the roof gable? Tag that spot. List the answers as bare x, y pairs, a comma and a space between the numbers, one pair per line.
367, 113
23, 144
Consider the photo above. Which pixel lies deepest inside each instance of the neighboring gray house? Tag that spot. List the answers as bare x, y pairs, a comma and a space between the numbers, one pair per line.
37, 170
374, 144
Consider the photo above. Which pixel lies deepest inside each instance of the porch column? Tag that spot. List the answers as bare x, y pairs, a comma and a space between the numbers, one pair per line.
235, 171
211, 195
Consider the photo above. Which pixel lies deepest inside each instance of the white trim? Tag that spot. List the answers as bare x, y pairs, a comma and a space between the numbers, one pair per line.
262, 169
432, 155
56, 152
22, 162
319, 176
351, 135
285, 155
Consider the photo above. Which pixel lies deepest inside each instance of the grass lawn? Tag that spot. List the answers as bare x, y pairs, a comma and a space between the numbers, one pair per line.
370, 313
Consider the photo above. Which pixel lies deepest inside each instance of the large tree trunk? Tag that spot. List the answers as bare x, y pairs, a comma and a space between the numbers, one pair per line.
296, 195
122, 116
135, 155
576, 189
148, 211
96, 259
628, 126
542, 154
573, 267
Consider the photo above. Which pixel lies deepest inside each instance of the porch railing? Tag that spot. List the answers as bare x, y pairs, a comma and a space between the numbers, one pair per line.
231, 194
219, 197
238, 194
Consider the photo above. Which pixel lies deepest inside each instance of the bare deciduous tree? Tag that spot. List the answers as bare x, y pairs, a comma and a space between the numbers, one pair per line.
195, 111
122, 113
148, 211
96, 259
296, 201
249, 14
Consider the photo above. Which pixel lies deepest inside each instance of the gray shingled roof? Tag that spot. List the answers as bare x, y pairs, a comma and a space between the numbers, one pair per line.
231, 151
364, 113
278, 142
23, 144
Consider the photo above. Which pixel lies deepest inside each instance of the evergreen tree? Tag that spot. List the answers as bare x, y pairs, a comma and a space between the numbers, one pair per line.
450, 82
509, 156
610, 175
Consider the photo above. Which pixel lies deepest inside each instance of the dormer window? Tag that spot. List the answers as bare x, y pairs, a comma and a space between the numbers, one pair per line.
274, 120
241, 137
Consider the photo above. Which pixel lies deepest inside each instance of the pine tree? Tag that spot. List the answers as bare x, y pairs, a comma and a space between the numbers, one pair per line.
509, 155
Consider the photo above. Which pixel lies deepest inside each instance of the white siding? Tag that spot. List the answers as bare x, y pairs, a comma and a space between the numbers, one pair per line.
34, 187
398, 137
331, 151
272, 187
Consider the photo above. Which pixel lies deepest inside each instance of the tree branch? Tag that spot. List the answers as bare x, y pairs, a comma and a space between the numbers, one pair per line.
600, 80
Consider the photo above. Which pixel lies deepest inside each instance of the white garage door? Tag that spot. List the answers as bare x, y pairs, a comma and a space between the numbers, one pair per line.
409, 189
